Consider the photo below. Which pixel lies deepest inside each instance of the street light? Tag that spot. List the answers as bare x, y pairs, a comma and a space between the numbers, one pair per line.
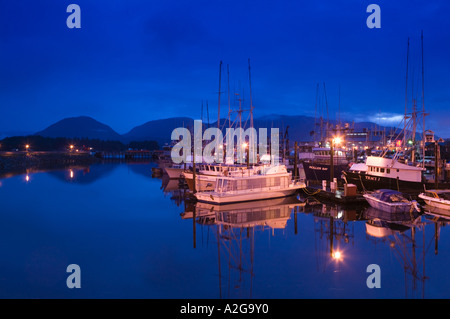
27, 147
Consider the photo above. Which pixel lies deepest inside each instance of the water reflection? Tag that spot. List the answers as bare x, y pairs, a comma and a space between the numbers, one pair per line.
401, 233
234, 227
282, 248
334, 227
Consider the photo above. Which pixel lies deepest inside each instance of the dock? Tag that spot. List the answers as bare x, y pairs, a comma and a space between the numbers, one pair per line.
339, 195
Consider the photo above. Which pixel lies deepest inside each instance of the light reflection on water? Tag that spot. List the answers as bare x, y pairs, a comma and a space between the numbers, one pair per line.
133, 236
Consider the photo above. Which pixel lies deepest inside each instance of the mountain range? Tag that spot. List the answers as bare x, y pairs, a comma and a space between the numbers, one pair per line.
299, 128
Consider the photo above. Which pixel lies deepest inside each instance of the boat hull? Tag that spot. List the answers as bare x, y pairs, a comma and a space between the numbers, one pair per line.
368, 182
202, 182
320, 172
250, 195
173, 172
436, 202
389, 207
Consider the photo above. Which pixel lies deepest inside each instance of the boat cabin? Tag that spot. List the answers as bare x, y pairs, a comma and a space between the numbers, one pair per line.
227, 184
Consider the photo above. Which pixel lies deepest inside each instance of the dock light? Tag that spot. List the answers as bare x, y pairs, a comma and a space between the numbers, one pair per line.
27, 147
337, 140
337, 255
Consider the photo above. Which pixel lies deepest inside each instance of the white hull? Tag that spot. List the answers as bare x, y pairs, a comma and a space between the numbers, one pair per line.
245, 196
389, 207
202, 182
436, 202
173, 172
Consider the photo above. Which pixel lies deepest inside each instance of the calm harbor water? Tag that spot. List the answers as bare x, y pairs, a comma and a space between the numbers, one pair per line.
134, 237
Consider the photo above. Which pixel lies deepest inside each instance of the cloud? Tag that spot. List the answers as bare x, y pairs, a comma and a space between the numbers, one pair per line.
380, 118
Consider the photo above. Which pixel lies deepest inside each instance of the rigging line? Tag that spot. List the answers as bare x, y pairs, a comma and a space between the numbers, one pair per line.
406, 86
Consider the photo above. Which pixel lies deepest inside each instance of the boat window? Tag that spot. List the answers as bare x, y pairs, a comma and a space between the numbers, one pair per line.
378, 169
382, 170
224, 184
388, 170
397, 170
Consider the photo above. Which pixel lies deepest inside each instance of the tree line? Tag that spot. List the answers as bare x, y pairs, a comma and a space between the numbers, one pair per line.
40, 143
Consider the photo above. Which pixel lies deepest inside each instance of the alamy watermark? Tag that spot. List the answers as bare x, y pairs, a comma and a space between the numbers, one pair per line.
374, 279
74, 279
241, 146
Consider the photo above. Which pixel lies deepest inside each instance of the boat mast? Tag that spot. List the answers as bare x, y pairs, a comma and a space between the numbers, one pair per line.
328, 118
251, 101
406, 95
229, 103
423, 108
251, 139
218, 105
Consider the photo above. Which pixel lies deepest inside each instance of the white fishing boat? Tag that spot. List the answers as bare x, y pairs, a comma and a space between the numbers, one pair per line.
438, 198
390, 201
271, 182
384, 172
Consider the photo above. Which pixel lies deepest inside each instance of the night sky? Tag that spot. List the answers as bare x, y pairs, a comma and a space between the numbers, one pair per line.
137, 60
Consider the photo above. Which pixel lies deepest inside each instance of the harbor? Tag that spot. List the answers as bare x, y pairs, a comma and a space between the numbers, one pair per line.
242, 250
225, 158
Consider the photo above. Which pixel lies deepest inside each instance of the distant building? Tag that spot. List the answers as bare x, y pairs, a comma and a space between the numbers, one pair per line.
429, 136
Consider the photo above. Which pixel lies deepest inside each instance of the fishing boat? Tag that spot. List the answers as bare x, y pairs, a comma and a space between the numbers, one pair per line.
271, 182
317, 165
382, 172
437, 198
390, 201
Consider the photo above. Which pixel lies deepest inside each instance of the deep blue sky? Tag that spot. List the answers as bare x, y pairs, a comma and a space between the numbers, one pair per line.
137, 60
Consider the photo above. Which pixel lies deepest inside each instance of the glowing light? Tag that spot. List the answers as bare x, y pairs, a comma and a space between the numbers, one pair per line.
71, 174
337, 255
27, 178
27, 146
244, 145
337, 140
71, 147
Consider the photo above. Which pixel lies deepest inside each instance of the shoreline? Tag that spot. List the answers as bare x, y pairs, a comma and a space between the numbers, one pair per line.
13, 163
